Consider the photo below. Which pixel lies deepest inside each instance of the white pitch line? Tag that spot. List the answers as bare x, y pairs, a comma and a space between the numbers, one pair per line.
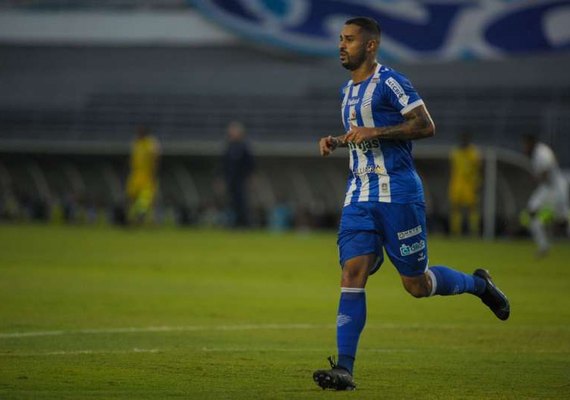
195, 328
250, 327
292, 350
31, 334
79, 352
204, 349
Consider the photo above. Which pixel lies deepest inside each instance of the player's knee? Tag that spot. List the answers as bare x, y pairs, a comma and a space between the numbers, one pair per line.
353, 277
355, 271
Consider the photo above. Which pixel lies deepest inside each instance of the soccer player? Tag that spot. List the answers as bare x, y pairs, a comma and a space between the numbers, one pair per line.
384, 204
464, 186
552, 188
142, 181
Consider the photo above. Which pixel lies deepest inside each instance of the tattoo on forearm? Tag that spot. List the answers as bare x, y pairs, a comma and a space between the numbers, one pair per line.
418, 125
340, 141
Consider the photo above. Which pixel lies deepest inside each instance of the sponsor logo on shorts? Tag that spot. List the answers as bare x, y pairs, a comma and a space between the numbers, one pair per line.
406, 250
410, 232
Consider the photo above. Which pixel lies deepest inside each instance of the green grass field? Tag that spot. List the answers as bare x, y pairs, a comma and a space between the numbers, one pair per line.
105, 313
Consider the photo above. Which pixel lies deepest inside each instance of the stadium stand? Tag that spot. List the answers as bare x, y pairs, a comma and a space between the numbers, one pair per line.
68, 113
109, 117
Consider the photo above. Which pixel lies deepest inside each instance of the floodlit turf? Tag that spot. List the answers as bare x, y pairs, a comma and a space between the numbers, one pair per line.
103, 313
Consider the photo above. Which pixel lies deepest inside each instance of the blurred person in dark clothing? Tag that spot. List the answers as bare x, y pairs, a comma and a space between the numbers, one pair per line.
238, 164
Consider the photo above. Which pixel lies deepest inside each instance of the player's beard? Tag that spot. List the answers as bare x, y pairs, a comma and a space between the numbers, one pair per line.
353, 62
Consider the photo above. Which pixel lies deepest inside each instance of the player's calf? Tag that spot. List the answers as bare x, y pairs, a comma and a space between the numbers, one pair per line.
417, 286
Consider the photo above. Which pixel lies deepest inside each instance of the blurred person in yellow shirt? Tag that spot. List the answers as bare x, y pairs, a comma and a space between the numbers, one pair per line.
464, 186
142, 182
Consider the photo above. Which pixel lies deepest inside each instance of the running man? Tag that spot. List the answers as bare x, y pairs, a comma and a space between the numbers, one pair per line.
551, 189
384, 205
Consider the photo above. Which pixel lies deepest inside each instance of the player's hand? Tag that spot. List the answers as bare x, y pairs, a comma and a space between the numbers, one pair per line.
327, 145
359, 134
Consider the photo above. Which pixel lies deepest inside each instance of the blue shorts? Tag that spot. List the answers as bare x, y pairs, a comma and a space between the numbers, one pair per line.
367, 227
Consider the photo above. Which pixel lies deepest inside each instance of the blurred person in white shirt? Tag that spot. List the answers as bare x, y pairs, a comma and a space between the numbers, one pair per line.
551, 189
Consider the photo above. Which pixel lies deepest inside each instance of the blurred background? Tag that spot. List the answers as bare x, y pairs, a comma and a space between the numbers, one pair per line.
221, 105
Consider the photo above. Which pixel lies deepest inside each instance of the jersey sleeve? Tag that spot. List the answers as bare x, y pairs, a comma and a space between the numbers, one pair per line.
400, 93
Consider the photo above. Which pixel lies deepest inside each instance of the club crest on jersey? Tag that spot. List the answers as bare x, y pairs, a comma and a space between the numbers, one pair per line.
352, 118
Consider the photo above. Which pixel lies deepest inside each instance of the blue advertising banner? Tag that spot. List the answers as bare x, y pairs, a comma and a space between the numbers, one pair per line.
412, 30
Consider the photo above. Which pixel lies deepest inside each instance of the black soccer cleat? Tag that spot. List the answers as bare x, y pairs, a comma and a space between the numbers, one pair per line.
336, 378
493, 297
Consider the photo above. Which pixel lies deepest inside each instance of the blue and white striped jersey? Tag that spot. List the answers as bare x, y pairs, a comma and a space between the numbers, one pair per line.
381, 170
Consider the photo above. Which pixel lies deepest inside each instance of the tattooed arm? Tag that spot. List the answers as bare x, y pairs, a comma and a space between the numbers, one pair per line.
418, 125
329, 144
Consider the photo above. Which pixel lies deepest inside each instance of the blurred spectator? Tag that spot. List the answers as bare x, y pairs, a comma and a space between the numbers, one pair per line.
464, 186
551, 189
10, 207
142, 182
238, 165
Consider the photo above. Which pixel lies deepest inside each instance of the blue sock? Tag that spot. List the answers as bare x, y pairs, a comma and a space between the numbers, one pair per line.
447, 281
350, 322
